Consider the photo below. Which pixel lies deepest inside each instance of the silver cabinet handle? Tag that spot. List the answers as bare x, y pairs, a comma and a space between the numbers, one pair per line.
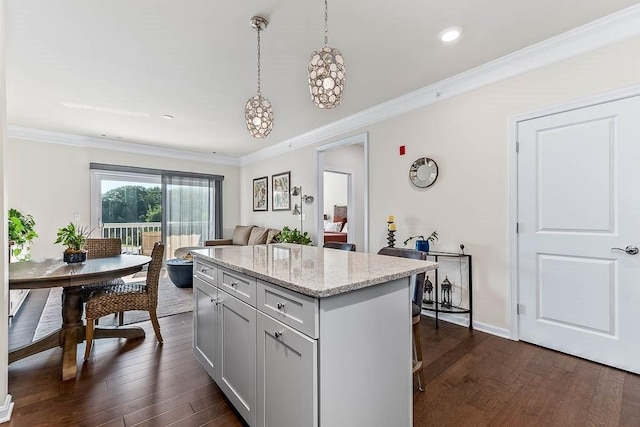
280, 305
203, 270
278, 334
631, 250
234, 284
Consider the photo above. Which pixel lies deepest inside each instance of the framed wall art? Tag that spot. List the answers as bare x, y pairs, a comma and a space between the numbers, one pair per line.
261, 194
280, 191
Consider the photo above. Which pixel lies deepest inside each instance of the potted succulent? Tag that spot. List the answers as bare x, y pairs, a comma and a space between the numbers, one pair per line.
422, 244
293, 236
21, 233
74, 238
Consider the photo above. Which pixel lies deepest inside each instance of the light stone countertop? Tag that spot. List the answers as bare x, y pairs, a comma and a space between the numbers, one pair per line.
313, 271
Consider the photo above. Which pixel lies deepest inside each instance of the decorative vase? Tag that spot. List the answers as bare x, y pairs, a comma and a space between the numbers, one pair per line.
74, 257
422, 245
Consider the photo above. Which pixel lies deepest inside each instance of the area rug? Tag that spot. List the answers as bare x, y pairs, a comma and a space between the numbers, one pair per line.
171, 300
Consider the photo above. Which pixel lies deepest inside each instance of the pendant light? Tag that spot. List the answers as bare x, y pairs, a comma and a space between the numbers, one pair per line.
326, 72
258, 114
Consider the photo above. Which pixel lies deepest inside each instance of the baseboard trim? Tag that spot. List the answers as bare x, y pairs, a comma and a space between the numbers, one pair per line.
6, 410
463, 320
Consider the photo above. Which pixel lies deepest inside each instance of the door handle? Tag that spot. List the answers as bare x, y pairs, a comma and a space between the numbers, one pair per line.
631, 250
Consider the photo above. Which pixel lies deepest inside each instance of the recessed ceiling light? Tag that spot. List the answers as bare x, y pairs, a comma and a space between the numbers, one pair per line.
168, 116
450, 34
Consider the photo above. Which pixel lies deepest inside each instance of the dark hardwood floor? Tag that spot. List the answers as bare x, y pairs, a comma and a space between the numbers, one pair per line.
472, 378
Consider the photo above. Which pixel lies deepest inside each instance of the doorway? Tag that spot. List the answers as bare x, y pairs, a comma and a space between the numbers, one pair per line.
577, 210
346, 158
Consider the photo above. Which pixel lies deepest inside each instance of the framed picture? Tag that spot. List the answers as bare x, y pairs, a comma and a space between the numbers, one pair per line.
280, 191
261, 194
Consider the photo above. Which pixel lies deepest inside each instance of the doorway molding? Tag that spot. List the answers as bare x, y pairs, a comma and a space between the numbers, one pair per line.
512, 147
361, 138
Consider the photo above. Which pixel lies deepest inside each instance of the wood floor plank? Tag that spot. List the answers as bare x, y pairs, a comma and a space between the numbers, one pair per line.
606, 402
630, 411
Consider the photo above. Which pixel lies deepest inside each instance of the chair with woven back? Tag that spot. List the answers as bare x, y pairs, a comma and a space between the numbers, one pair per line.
417, 282
126, 297
101, 248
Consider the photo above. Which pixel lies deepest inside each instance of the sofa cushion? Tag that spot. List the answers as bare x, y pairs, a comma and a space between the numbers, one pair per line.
258, 236
241, 234
271, 235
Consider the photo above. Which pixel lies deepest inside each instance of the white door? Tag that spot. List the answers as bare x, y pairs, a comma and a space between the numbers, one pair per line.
578, 197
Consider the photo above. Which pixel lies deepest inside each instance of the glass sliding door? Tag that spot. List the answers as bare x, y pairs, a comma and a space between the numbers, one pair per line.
189, 211
127, 206
141, 206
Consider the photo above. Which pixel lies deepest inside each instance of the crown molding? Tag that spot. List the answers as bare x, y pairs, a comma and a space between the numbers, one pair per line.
599, 33
114, 145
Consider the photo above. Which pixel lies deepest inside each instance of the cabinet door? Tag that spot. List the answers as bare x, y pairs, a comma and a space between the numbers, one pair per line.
237, 362
287, 392
205, 326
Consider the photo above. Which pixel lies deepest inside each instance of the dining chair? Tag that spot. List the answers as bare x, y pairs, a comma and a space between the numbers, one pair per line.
101, 248
417, 282
340, 245
126, 297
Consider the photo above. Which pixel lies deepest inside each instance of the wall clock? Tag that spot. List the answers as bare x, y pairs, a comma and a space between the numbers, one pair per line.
423, 172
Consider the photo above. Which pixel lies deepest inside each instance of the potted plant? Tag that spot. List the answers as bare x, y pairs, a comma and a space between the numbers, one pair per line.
21, 233
422, 244
74, 238
293, 236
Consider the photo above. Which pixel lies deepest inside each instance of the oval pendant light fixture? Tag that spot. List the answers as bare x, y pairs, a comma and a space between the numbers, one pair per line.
326, 72
258, 113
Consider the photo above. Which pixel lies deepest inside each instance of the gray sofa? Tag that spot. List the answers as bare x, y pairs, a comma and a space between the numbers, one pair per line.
243, 235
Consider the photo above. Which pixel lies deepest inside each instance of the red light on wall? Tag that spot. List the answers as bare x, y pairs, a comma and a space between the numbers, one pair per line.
402, 150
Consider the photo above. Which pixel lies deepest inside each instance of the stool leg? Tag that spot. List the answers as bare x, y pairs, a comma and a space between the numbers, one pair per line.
417, 347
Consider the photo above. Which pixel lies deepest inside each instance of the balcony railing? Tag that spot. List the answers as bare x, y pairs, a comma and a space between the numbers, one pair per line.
130, 233
132, 239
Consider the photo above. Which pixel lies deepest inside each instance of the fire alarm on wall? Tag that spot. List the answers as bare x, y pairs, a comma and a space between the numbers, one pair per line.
402, 150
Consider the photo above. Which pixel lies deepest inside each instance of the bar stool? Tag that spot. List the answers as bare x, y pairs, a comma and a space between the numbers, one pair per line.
417, 281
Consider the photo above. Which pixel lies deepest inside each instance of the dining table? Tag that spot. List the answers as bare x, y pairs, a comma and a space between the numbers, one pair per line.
54, 272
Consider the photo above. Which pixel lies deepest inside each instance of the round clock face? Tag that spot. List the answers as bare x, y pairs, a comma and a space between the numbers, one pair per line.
423, 172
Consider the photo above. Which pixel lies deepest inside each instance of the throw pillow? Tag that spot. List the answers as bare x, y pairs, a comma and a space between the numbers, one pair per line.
334, 227
258, 236
241, 234
272, 234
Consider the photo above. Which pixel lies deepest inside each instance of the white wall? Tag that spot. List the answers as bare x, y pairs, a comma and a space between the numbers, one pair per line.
467, 136
336, 192
5, 399
52, 182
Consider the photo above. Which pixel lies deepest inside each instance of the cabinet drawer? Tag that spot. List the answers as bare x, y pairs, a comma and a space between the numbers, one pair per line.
237, 284
291, 308
205, 270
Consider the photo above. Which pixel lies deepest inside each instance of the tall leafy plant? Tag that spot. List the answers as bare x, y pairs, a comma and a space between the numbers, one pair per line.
73, 237
21, 232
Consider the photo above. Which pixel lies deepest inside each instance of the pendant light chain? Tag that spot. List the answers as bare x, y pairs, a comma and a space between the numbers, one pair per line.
258, 30
326, 23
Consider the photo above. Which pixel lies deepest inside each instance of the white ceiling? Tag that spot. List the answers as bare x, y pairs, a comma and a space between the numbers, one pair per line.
115, 67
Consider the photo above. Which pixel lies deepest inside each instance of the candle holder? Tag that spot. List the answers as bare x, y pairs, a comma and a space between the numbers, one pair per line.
428, 287
391, 239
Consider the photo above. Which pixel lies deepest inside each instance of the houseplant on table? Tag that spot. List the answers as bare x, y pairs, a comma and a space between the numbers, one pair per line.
74, 238
21, 233
422, 244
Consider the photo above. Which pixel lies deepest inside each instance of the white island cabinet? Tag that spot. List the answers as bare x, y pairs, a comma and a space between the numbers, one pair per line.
305, 336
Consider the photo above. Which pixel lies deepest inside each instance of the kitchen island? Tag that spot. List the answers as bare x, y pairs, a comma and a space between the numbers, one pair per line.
305, 336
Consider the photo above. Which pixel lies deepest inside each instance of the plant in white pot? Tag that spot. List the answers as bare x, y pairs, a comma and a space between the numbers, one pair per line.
74, 238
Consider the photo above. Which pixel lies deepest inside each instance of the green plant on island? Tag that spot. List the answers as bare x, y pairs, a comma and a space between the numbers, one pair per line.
431, 238
288, 235
73, 237
21, 233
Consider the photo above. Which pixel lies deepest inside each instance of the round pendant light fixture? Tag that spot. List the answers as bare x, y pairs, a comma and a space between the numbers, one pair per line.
326, 72
258, 113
